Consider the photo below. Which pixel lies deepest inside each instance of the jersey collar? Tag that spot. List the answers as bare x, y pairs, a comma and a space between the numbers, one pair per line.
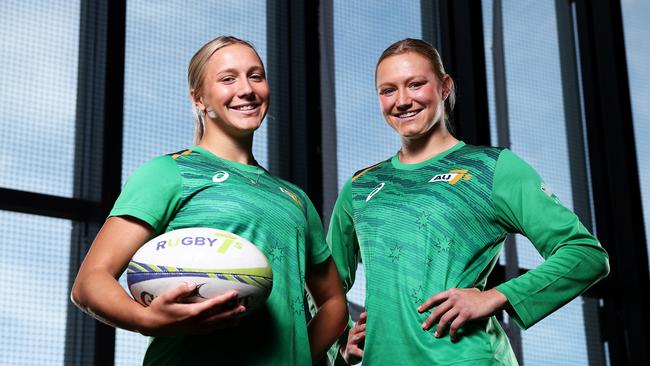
399, 165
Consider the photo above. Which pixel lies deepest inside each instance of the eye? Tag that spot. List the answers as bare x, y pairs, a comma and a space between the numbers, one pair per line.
416, 84
386, 91
227, 79
257, 77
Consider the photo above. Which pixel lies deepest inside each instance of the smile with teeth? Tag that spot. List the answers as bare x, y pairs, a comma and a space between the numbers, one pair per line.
246, 107
408, 114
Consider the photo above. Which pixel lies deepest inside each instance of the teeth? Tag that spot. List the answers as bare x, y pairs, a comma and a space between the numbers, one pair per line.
245, 107
407, 114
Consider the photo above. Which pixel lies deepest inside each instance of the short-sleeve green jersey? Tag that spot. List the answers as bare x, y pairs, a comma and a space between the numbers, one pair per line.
421, 229
195, 188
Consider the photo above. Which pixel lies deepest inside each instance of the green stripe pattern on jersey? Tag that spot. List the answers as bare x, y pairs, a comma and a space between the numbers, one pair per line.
421, 229
195, 188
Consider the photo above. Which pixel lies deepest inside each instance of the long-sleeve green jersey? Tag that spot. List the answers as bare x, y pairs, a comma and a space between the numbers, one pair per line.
421, 229
195, 188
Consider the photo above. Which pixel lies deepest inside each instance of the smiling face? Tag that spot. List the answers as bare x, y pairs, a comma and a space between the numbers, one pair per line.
411, 96
234, 92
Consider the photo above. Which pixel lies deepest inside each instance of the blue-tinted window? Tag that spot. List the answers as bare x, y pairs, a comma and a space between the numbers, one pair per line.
38, 95
637, 33
34, 267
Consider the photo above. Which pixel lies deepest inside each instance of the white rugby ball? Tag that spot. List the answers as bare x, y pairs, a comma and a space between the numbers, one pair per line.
217, 261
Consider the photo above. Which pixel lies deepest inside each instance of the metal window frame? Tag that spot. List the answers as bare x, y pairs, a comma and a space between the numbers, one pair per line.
100, 100
295, 113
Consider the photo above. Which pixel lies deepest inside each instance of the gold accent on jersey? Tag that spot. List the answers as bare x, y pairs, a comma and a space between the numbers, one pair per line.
292, 195
184, 153
358, 175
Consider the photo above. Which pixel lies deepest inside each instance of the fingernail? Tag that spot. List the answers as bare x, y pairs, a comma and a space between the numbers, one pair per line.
424, 325
191, 286
435, 334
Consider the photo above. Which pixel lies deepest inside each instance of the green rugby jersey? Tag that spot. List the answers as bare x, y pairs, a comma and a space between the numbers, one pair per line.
424, 228
195, 188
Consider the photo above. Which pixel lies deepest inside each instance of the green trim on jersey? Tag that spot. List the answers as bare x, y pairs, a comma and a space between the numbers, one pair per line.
421, 229
195, 188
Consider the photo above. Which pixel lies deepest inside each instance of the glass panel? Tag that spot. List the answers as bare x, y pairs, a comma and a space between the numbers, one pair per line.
160, 41
563, 332
38, 74
635, 25
34, 268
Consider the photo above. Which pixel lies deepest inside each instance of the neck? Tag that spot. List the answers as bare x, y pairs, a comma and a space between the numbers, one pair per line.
421, 149
238, 149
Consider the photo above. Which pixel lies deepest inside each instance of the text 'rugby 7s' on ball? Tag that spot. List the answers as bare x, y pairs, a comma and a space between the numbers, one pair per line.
217, 261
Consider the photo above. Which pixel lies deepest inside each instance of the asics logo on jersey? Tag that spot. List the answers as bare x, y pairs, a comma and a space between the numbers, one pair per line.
220, 176
453, 177
375, 191
292, 195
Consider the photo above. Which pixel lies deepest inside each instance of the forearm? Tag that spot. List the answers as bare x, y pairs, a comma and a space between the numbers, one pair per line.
99, 295
558, 280
326, 326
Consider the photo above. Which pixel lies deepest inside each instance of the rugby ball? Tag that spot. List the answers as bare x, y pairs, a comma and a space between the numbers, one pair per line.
217, 261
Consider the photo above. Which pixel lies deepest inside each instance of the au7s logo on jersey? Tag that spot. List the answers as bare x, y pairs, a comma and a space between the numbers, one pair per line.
453, 177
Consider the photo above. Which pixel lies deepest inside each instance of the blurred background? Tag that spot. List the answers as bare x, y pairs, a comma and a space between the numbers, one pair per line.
91, 89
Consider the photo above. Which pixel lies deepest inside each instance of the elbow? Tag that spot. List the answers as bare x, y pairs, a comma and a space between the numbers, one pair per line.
598, 266
604, 266
76, 295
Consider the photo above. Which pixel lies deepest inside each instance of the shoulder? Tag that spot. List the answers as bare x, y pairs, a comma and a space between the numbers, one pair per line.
360, 173
161, 170
158, 165
476, 152
512, 164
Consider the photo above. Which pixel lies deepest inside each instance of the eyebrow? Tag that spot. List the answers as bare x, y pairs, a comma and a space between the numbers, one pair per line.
407, 80
235, 71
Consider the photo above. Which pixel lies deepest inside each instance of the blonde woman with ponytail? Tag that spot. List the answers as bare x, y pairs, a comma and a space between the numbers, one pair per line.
429, 224
218, 184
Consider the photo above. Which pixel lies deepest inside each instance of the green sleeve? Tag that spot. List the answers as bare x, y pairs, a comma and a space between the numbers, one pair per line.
151, 194
573, 258
318, 250
342, 240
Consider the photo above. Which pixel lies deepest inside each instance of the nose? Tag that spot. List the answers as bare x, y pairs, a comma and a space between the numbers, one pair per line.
403, 101
246, 89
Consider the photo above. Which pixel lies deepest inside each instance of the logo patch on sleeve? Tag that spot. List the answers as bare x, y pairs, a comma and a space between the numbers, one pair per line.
546, 189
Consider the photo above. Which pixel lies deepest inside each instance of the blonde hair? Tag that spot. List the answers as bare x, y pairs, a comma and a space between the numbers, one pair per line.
196, 73
431, 54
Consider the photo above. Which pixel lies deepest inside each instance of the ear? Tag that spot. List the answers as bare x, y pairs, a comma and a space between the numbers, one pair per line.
447, 83
197, 100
